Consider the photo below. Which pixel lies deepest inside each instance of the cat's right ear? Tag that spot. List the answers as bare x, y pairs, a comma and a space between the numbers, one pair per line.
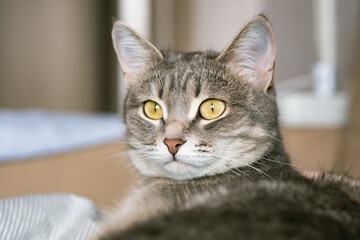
135, 53
252, 53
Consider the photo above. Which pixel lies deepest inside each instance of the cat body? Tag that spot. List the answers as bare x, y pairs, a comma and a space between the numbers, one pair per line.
202, 130
279, 209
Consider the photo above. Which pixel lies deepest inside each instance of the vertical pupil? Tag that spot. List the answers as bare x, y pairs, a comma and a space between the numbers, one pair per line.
212, 107
155, 107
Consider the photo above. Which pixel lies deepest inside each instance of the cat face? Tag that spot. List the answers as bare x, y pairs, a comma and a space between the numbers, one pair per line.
195, 114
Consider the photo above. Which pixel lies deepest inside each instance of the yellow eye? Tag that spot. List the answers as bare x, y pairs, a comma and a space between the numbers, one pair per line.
211, 109
153, 110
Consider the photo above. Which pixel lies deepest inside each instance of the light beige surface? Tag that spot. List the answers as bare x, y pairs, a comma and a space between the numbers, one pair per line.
349, 154
314, 149
95, 173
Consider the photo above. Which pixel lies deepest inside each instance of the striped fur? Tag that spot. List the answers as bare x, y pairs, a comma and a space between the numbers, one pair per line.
232, 178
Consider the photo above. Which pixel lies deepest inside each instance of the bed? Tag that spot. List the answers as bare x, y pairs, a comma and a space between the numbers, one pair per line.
59, 172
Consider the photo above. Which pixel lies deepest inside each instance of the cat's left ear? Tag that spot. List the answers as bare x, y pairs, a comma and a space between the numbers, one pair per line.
252, 53
135, 53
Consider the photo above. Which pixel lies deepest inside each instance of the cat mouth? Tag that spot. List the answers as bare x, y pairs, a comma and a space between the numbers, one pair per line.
175, 160
177, 165
182, 163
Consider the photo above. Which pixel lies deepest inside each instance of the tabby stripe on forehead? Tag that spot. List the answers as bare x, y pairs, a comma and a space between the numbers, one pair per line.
161, 89
198, 86
172, 82
160, 84
198, 82
187, 75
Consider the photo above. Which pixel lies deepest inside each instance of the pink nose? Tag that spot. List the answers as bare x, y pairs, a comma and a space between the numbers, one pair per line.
173, 145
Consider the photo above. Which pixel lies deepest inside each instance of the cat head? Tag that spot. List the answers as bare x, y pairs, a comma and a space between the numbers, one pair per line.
202, 113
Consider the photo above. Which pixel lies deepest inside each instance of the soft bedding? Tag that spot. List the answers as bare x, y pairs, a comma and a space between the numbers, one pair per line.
36, 132
48, 217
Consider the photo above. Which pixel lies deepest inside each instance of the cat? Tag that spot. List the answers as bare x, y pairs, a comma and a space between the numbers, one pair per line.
203, 132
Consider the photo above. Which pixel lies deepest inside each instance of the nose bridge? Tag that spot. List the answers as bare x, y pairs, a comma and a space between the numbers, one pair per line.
178, 104
174, 130
177, 109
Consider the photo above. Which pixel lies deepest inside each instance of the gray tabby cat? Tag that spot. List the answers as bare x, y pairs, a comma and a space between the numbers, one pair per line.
202, 130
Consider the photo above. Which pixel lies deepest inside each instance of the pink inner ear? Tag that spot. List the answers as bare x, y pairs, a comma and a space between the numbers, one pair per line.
264, 69
130, 64
124, 62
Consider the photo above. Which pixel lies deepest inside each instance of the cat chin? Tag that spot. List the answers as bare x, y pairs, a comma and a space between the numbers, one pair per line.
186, 167
174, 170
177, 170
180, 171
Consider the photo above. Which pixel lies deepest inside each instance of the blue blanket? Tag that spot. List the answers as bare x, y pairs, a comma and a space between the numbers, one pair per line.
32, 133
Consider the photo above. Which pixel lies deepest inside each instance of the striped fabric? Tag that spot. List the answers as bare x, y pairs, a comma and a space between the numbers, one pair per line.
48, 217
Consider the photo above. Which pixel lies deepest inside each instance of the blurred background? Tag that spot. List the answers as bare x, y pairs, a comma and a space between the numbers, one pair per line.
60, 87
